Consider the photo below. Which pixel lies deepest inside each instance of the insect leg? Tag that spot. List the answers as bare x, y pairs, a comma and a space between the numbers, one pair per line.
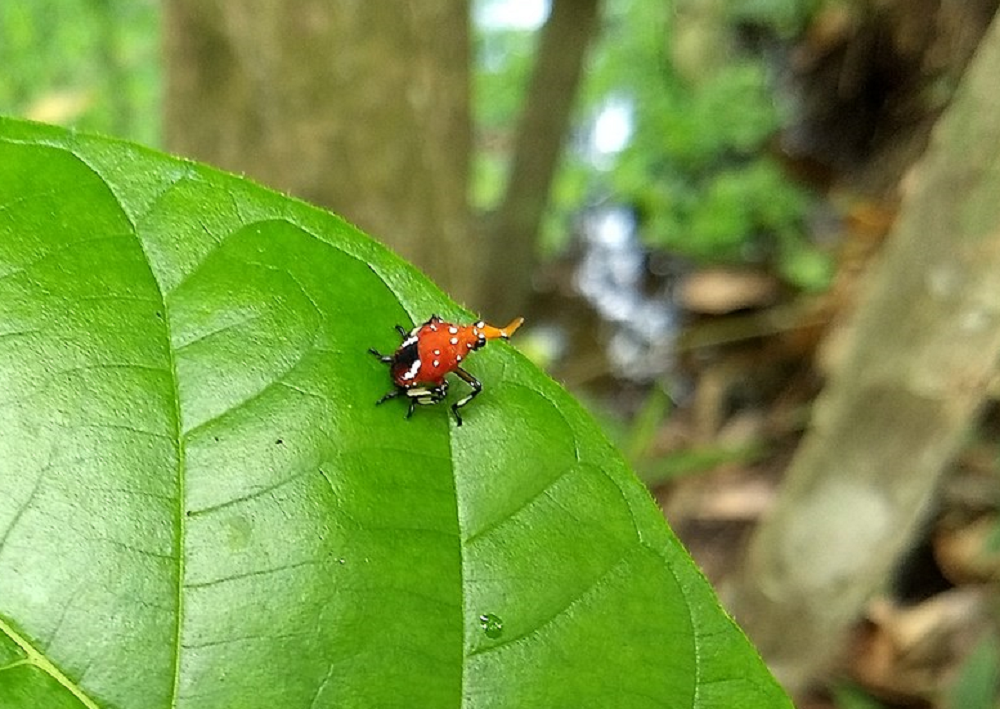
391, 395
403, 332
476, 388
381, 357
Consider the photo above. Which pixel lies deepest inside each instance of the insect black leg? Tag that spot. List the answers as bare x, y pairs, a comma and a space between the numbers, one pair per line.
381, 357
476, 388
402, 331
391, 395
413, 405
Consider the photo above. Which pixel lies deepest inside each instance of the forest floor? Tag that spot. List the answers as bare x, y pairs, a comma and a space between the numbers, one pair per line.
712, 447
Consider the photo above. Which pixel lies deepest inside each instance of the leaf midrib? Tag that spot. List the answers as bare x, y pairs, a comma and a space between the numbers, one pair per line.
178, 436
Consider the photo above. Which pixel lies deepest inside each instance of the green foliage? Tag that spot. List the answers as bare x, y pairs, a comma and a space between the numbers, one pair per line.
785, 17
978, 681
503, 59
849, 696
704, 112
697, 167
93, 64
637, 438
201, 506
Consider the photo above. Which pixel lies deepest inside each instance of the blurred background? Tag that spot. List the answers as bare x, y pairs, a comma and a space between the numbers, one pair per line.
686, 199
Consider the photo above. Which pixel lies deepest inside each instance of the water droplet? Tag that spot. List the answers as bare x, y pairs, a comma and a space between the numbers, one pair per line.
492, 625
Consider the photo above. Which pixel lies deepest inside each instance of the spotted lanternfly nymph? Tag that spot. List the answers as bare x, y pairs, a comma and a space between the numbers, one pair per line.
432, 350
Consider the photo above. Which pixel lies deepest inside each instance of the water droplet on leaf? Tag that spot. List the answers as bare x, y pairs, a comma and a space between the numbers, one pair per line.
492, 625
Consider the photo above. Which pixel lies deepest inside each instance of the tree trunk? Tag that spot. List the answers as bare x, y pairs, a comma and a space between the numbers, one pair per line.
925, 345
362, 107
513, 230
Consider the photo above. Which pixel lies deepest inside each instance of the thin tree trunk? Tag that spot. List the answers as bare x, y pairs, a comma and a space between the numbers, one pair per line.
513, 230
362, 107
925, 345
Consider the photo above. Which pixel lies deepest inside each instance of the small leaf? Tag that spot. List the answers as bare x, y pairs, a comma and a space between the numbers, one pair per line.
200, 505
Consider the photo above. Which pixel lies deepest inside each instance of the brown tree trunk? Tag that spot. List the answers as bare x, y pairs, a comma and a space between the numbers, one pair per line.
362, 107
925, 344
513, 230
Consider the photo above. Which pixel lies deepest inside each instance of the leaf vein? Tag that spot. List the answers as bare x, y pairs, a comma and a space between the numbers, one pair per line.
250, 574
510, 515
21, 510
34, 657
180, 515
591, 588
181, 346
249, 496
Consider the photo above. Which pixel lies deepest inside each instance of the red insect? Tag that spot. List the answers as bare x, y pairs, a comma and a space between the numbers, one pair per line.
432, 350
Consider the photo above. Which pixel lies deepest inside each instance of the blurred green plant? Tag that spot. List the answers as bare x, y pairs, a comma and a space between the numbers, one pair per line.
850, 696
92, 64
502, 67
978, 678
697, 166
637, 439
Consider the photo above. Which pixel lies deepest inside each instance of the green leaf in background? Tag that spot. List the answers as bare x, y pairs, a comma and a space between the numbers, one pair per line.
200, 505
975, 685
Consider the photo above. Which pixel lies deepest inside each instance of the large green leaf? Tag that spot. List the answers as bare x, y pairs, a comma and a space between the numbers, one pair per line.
200, 506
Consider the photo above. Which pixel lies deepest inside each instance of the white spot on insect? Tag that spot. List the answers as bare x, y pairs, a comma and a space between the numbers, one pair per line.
468, 345
434, 327
453, 340
480, 324
409, 341
458, 357
437, 352
412, 371
453, 330
437, 363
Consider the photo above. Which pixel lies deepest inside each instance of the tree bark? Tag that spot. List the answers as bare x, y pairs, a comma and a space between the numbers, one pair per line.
362, 107
925, 344
513, 230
